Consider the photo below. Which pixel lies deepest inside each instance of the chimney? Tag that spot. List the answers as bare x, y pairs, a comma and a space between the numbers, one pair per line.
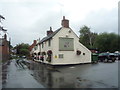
50, 31
5, 36
65, 22
34, 42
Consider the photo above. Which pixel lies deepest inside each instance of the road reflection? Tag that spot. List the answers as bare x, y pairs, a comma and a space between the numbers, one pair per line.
79, 76
50, 77
5, 73
60, 77
41, 74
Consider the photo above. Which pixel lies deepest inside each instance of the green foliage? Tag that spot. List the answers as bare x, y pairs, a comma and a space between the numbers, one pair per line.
87, 37
84, 30
103, 41
22, 49
107, 42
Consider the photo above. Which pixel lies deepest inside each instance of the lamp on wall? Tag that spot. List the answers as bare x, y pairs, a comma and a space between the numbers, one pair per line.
69, 31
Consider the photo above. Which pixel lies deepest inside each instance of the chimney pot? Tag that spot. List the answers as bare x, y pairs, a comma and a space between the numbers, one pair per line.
50, 28
50, 31
34, 41
65, 22
5, 37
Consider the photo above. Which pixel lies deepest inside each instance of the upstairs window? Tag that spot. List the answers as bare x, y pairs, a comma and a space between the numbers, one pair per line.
42, 45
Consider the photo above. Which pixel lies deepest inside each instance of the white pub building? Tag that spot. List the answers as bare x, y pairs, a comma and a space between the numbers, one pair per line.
61, 47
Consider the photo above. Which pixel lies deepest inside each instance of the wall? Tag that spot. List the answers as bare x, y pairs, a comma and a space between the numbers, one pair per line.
46, 48
4, 51
70, 56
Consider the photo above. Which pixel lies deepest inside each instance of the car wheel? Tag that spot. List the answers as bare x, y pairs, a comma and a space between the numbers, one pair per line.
105, 60
113, 60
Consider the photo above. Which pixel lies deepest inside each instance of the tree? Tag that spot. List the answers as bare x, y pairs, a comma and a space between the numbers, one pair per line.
107, 42
24, 52
22, 49
87, 37
103, 42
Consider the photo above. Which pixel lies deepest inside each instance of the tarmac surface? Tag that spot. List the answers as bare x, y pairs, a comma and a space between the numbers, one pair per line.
30, 74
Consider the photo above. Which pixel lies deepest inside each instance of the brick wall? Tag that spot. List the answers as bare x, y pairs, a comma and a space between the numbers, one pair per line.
4, 50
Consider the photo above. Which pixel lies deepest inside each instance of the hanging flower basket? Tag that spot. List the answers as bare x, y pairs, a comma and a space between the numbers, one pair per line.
78, 52
49, 52
42, 58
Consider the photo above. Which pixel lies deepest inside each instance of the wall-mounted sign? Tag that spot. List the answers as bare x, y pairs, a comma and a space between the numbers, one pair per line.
66, 44
55, 56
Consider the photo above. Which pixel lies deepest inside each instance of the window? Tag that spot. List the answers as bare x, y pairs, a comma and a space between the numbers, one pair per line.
42, 45
49, 42
60, 55
83, 53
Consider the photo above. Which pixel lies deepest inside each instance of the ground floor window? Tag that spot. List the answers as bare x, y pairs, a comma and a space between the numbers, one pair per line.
61, 56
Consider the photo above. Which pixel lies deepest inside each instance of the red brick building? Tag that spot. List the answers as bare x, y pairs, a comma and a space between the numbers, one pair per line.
4, 48
31, 48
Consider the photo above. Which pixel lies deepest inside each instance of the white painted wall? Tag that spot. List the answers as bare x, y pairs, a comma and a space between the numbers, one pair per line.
37, 49
70, 57
46, 48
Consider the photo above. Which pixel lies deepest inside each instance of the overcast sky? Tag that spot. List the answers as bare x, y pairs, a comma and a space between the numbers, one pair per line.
27, 20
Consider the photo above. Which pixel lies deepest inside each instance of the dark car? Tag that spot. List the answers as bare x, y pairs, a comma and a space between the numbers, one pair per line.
117, 56
106, 57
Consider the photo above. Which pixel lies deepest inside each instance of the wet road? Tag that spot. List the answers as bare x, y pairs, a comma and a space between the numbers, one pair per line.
22, 74
17, 76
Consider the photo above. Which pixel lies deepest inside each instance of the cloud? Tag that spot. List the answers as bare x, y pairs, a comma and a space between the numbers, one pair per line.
101, 21
27, 20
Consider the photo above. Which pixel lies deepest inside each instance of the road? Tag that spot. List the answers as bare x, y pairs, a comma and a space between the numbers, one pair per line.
19, 74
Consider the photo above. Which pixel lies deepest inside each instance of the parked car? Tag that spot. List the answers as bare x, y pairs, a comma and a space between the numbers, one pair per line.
117, 56
106, 57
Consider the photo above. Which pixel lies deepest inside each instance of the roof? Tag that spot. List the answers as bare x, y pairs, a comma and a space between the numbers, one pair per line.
32, 46
50, 36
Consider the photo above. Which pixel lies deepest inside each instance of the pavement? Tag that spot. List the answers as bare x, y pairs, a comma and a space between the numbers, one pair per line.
18, 77
30, 74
